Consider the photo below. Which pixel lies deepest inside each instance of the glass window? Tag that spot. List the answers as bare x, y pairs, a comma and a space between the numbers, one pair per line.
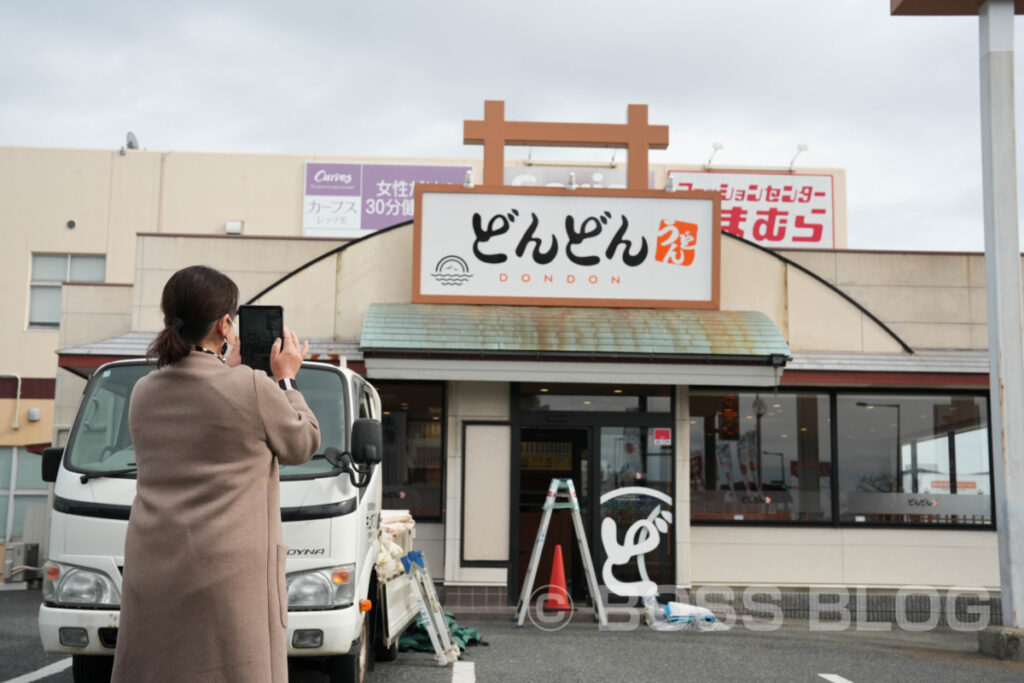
30, 472
52, 267
760, 456
87, 268
636, 508
28, 479
635, 456
44, 305
365, 403
101, 440
22, 505
595, 398
413, 423
48, 272
324, 392
6, 454
913, 459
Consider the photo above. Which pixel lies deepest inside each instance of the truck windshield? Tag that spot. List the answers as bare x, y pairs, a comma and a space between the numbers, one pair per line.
101, 445
325, 394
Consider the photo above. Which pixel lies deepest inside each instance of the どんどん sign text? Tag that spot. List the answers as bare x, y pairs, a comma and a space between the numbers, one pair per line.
560, 247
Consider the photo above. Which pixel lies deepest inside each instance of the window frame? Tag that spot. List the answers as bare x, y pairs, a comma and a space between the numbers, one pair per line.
40, 283
833, 395
12, 493
768, 392
916, 393
443, 486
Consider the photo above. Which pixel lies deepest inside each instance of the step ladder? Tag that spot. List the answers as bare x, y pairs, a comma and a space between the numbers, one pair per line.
561, 496
445, 650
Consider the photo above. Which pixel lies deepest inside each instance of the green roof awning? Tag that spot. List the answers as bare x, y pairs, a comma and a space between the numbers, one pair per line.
542, 330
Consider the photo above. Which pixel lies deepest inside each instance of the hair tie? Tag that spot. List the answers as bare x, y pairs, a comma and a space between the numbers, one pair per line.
176, 323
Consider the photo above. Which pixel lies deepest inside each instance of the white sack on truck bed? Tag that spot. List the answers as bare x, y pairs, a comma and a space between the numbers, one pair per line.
397, 532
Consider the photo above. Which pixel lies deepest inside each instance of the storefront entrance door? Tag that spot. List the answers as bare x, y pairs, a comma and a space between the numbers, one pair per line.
632, 544
621, 463
547, 453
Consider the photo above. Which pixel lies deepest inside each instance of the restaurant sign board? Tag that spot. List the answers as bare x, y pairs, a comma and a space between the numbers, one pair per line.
559, 247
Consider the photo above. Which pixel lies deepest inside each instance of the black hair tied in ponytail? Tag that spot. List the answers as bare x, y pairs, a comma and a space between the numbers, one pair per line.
192, 301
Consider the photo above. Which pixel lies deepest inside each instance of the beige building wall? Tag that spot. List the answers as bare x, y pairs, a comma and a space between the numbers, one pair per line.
931, 300
682, 532
811, 315
472, 401
113, 197
486, 495
94, 311
378, 270
40, 191
329, 299
252, 262
14, 412
875, 558
309, 299
109, 197
203, 190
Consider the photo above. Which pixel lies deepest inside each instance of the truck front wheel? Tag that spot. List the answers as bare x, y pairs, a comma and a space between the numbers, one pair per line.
91, 669
351, 668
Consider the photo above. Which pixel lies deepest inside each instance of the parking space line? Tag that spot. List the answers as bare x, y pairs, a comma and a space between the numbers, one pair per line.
464, 672
835, 678
46, 671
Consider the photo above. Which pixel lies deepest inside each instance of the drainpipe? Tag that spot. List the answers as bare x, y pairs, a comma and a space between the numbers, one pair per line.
17, 400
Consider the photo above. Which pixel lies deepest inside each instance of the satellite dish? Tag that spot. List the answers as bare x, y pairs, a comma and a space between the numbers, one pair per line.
133, 142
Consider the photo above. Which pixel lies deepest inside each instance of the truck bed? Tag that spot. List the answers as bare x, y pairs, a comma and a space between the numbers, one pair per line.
397, 532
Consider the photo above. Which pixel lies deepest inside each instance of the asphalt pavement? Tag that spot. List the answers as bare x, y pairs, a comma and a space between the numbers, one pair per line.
580, 652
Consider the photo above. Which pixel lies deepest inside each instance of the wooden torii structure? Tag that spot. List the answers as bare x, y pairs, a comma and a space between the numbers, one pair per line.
636, 136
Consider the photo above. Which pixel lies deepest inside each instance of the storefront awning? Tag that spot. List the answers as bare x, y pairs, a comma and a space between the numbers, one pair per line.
964, 368
527, 343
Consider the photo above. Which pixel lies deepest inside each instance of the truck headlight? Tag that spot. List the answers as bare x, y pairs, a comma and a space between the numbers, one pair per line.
68, 585
322, 588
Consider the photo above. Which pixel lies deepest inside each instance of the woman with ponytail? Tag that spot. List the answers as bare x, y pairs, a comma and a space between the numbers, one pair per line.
203, 586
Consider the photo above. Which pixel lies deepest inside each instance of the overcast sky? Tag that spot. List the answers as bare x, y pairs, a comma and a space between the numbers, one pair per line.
893, 100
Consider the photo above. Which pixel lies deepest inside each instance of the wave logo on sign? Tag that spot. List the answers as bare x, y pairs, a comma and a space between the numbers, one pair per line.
452, 271
677, 242
640, 538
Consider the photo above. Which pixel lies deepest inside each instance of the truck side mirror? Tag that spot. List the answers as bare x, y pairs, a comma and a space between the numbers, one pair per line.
367, 441
51, 462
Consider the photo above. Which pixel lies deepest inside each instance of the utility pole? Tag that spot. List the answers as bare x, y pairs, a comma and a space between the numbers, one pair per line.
1002, 279
1002, 284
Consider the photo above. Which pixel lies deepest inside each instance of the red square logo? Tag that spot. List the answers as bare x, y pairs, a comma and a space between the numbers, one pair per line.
677, 242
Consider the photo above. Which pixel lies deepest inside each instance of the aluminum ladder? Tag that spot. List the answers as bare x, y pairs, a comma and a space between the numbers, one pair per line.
561, 496
445, 651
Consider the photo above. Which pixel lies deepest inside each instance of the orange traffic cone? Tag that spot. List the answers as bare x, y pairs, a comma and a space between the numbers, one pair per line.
558, 595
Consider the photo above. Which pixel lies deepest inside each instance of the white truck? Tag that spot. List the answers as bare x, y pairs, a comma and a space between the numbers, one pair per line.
339, 610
